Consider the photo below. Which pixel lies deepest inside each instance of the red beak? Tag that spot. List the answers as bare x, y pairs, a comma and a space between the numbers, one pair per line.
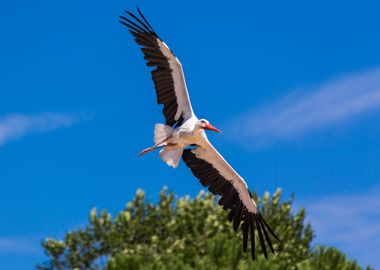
211, 127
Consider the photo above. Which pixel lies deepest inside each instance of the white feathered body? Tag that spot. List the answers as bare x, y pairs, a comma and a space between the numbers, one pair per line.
174, 140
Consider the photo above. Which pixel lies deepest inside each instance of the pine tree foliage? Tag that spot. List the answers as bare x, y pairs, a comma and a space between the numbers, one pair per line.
183, 233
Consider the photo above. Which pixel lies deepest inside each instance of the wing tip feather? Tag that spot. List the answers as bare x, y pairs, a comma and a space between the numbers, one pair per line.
140, 23
257, 223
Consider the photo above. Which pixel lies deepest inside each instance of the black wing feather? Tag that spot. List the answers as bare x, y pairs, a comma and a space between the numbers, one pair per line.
204, 171
261, 238
253, 246
145, 20
265, 234
245, 233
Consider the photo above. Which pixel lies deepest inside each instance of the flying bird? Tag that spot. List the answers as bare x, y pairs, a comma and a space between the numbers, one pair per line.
183, 136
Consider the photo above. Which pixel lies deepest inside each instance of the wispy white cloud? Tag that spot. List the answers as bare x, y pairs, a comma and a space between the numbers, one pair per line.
350, 222
329, 103
18, 245
18, 125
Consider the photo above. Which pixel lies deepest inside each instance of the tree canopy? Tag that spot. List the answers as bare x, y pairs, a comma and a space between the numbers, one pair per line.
180, 233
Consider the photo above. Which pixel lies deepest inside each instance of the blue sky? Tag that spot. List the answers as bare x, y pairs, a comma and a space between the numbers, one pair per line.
295, 88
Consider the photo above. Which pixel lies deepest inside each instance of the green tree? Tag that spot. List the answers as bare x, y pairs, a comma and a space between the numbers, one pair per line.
180, 233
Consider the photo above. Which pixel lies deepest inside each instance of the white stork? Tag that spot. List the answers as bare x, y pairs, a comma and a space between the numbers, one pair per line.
184, 136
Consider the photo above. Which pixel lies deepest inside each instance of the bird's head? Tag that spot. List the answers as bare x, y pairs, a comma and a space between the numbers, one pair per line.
204, 124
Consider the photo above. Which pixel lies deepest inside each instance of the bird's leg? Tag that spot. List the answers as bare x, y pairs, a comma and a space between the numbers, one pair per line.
147, 150
154, 147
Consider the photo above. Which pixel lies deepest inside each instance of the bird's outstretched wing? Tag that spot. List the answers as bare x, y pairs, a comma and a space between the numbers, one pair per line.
221, 179
168, 76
